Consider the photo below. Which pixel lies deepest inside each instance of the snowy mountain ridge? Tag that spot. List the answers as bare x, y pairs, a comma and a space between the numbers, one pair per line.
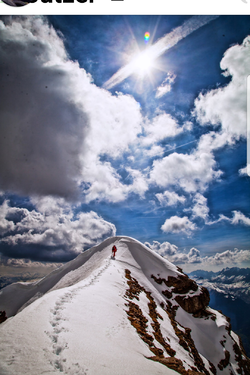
137, 314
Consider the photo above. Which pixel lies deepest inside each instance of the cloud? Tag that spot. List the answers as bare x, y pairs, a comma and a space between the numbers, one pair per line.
139, 185
229, 256
170, 198
106, 185
161, 127
172, 253
43, 121
5, 225
226, 106
164, 249
166, 86
56, 124
155, 150
115, 122
243, 171
200, 208
177, 224
194, 256
27, 264
213, 141
161, 46
238, 218
51, 231
191, 172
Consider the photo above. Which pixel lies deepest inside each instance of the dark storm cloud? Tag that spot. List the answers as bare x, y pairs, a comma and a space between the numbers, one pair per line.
42, 120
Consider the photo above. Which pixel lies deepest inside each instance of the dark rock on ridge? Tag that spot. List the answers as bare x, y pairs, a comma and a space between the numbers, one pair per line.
194, 304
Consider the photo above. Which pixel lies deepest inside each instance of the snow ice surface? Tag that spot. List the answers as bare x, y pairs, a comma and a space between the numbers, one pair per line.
80, 326
74, 321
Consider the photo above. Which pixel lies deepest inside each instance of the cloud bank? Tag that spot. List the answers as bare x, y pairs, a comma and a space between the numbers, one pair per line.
43, 121
51, 231
174, 255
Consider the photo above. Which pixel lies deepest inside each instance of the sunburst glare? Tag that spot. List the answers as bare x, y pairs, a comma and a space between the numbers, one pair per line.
142, 63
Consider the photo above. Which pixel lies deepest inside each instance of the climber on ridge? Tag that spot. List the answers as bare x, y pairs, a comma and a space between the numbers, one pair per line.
114, 250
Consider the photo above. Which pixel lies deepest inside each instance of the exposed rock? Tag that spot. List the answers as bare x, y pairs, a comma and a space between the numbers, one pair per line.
140, 323
243, 362
193, 304
229, 326
224, 362
212, 368
175, 364
181, 284
3, 316
185, 339
156, 326
134, 287
167, 294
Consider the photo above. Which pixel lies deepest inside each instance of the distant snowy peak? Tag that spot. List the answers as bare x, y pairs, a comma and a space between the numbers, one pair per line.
135, 314
229, 281
226, 274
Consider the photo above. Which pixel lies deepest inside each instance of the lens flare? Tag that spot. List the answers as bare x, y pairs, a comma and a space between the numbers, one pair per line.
146, 36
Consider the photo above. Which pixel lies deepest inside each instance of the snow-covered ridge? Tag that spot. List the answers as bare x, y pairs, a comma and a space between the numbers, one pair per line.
136, 314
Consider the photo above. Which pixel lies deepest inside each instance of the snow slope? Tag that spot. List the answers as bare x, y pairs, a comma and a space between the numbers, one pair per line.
97, 316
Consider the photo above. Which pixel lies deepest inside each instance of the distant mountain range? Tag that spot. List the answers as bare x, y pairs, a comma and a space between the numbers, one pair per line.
229, 292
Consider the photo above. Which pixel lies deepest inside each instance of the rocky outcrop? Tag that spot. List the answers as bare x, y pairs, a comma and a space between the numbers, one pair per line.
196, 303
181, 286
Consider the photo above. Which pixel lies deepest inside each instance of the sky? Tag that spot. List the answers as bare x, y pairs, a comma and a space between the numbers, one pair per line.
105, 133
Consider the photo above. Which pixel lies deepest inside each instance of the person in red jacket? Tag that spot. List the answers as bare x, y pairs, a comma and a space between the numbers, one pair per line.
114, 250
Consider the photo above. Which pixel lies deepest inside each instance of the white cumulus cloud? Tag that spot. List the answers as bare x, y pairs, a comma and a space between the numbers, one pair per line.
162, 126
170, 198
200, 208
226, 106
173, 254
191, 172
176, 224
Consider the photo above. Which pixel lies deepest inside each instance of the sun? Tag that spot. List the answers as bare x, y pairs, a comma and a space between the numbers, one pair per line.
142, 63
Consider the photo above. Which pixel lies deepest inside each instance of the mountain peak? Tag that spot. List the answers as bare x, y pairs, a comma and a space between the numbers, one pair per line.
136, 313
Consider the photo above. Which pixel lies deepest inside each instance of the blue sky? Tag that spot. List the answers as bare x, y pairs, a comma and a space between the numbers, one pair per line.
104, 134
